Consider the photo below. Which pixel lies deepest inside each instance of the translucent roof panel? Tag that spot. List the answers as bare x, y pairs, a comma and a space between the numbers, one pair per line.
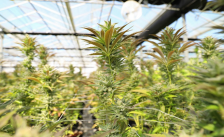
63, 18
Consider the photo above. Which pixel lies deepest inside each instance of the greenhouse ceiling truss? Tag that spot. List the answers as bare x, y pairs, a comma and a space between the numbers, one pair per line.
63, 9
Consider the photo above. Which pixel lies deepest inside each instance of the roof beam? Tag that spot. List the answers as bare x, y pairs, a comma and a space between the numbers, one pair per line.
6, 8
206, 30
170, 16
73, 27
105, 3
21, 16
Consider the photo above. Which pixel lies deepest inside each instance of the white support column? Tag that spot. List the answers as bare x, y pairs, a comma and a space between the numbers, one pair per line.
186, 52
1, 51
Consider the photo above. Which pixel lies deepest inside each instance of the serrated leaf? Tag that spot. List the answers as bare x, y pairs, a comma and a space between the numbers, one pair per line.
185, 46
117, 39
96, 54
108, 36
125, 38
157, 57
35, 79
93, 31
102, 33
48, 87
170, 54
121, 28
173, 61
159, 52
154, 43
95, 44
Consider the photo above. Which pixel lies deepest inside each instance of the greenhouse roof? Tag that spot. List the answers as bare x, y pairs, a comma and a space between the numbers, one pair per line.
58, 25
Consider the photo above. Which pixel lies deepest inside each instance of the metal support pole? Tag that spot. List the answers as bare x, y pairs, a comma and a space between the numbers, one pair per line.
186, 52
1, 51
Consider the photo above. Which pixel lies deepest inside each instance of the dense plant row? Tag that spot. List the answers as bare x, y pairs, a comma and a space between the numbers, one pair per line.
175, 99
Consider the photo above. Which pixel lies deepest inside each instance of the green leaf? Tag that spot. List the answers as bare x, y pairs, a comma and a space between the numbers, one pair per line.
156, 129
212, 107
139, 49
157, 57
218, 132
121, 28
96, 54
2, 111
159, 52
48, 87
155, 135
173, 61
130, 35
35, 79
170, 54
171, 96
95, 44
93, 31
108, 36
138, 113
185, 46
154, 43
117, 39
104, 134
102, 33
4, 120
209, 127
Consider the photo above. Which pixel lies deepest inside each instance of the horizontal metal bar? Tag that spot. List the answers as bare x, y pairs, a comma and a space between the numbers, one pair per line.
65, 34
46, 33
50, 33
107, 3
58, 48
53, 66
51, 57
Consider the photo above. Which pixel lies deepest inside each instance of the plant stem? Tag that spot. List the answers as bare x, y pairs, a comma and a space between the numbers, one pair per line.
110, 65
168, 72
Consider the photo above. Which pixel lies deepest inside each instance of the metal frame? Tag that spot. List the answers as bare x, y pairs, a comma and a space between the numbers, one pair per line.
68, 25
73, 27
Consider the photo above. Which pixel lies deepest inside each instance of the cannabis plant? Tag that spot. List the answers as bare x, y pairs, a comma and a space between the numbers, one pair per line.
172, 95
147, 72
209, 47
28, 47
214, 5
209, 84
43, 55
112, 109
21, 127
169, 50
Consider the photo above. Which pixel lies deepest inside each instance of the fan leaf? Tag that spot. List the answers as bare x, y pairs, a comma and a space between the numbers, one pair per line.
93, 31
95, 44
